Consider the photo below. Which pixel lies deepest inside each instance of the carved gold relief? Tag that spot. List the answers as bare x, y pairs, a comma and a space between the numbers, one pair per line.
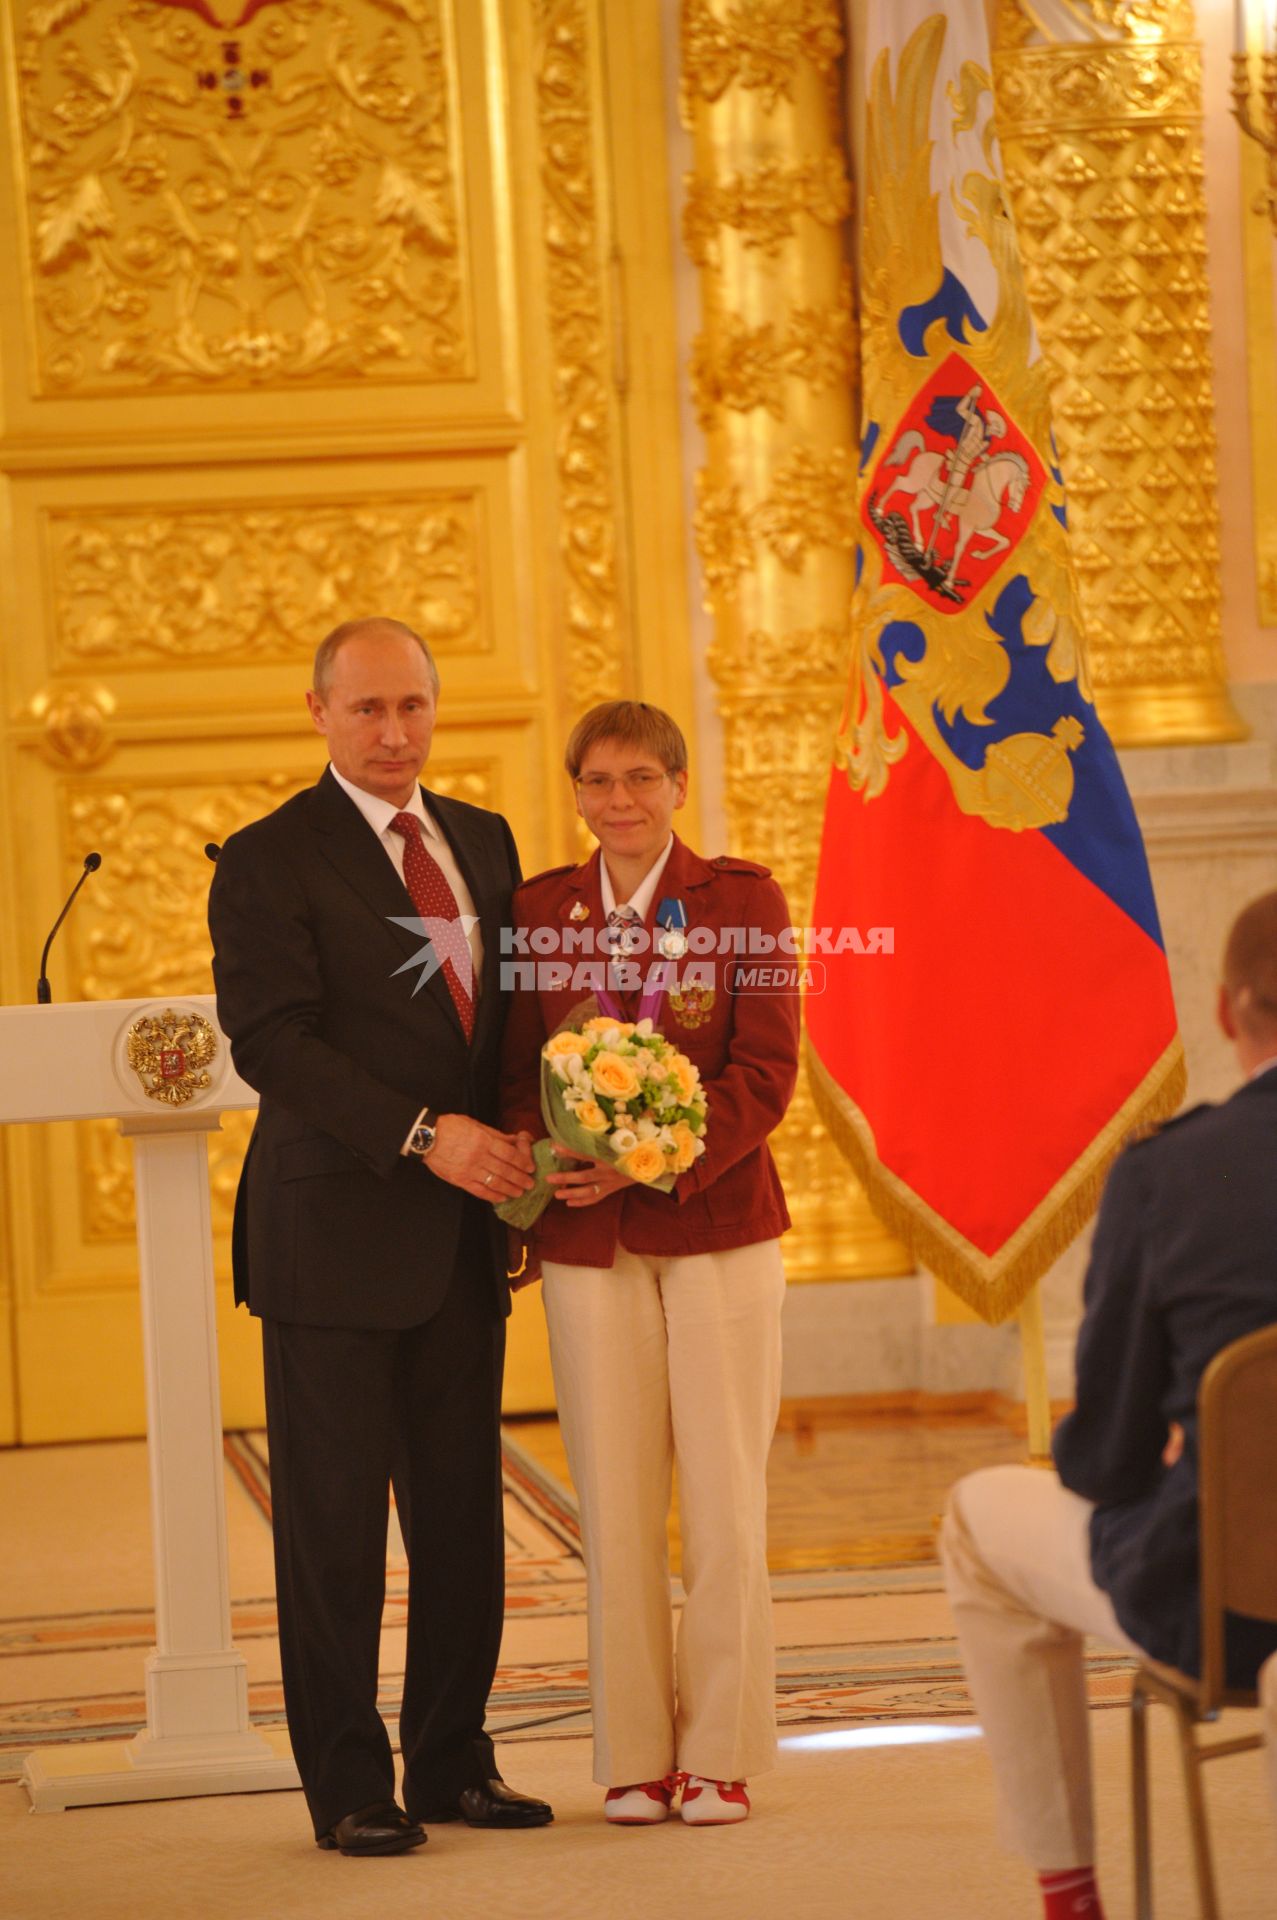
75, 724
236, 205
763, 205
243, 583
583, 397
758, 44
742, 367
811, 503
1103, 151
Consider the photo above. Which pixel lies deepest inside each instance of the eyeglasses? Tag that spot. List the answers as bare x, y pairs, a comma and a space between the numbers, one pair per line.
599, 785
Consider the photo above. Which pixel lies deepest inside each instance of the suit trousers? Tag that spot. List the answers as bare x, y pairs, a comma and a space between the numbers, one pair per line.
658, 1358
1017, 1565
347, 1409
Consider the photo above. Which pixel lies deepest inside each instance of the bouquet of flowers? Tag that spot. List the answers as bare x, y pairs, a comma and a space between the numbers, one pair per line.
619, 1092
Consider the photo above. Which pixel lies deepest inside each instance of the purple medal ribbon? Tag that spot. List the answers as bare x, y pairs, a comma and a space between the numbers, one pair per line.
659, 980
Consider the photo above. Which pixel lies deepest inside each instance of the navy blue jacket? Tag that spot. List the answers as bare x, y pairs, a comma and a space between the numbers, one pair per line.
1184, 1262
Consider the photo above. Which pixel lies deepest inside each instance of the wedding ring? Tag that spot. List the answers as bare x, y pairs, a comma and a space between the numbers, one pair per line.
487, 1179
597, 1187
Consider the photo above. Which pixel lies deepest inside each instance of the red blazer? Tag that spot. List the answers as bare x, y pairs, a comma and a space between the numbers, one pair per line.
744, 1042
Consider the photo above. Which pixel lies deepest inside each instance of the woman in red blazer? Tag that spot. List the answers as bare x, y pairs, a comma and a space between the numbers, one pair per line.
664, 1308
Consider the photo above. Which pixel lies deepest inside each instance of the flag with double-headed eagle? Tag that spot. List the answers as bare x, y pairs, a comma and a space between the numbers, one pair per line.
982, 1073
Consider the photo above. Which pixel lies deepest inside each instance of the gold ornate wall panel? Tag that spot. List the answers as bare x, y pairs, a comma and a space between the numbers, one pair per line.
773, 370
1102, 141
210, 204
318, 313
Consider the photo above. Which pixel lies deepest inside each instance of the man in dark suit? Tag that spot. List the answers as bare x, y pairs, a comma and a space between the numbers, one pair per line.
1184, 1262
366, 1242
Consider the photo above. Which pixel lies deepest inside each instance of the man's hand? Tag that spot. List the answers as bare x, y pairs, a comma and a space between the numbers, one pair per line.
488, 1164
588, 1182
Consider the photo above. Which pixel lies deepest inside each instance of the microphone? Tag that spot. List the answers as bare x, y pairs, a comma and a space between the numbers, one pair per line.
212, 849
92, 861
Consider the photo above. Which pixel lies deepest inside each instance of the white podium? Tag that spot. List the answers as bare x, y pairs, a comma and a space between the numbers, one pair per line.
162, 1068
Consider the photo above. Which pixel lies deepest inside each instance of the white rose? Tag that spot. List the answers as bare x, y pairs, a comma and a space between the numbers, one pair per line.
646, 1128
622, 1140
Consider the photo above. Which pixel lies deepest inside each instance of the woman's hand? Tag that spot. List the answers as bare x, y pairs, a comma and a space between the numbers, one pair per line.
585, 1182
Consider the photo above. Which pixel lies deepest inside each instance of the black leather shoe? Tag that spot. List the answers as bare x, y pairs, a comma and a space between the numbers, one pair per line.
381, 1828
493, 1805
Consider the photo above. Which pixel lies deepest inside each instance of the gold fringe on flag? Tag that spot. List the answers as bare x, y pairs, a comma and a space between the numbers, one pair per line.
995, 1285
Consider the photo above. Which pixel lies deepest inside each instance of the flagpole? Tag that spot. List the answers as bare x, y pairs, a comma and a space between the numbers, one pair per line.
1037, 1400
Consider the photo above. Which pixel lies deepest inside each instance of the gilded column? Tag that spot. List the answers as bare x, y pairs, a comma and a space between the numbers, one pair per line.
766, 222
1102, 140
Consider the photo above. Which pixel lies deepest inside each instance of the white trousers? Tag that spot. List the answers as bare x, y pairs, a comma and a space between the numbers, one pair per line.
656, 1359
1017, 1564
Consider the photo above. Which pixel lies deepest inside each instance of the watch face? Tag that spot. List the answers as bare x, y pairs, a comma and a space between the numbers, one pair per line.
423, 1139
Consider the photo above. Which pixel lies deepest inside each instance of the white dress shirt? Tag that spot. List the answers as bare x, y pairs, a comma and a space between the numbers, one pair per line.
645, 892
379, 814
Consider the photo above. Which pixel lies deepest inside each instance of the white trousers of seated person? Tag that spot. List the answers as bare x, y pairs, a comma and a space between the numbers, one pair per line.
656, 1359
1017, 1566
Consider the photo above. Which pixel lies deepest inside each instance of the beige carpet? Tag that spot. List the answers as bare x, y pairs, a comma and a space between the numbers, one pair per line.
905, 1833
901, 1832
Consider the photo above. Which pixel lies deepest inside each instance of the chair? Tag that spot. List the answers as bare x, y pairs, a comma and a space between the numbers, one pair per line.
1237, 1500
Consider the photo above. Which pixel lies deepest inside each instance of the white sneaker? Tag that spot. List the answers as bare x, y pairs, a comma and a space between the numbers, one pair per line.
644, 1805
714, 1803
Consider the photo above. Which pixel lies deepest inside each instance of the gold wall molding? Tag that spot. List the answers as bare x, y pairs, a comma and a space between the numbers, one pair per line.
186, 585
774, 372
1102, 143
582, 349
277, 202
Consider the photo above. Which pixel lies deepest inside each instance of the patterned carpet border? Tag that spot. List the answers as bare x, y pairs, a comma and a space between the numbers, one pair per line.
853, 1681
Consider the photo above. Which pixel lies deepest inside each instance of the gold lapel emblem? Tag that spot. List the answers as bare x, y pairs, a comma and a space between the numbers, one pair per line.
692, 1004
170, 1052
579, 911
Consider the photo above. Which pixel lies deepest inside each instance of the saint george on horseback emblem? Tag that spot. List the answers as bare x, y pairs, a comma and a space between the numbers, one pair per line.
954, 490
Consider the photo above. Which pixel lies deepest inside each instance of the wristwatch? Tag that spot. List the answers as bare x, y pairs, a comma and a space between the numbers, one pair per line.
422, 1138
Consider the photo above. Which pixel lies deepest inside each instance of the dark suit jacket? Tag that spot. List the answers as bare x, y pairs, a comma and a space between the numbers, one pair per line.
333, 1226
744, 1042
1184, 1262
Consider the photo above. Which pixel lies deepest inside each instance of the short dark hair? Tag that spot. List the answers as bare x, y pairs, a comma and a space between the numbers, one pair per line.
1250, 965
632, 723
332, 643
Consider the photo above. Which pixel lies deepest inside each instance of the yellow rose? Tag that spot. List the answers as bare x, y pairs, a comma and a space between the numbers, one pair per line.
560, 1045
591, 1116
601, 1024
687, 1077
685, 1143
613, 1076
643, 1162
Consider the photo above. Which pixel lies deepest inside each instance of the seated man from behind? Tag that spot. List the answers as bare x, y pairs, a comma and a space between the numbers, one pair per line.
1184, 1262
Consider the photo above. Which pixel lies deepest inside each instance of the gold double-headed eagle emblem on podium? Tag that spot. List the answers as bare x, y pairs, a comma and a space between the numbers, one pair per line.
170, 1053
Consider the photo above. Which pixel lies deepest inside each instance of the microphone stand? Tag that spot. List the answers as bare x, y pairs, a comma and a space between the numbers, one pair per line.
43, 993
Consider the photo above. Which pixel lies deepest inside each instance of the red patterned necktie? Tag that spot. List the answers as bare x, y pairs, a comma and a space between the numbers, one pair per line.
436, 902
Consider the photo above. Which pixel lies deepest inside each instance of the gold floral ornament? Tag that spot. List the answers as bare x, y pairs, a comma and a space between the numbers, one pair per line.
170, 1054
274, 203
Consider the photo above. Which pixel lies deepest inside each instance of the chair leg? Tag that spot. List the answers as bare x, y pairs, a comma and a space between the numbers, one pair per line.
1192, 1764
1139, 1803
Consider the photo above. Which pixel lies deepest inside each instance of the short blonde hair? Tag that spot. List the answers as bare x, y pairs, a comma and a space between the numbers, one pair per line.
1250, 966
332, 643
631, 723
